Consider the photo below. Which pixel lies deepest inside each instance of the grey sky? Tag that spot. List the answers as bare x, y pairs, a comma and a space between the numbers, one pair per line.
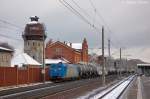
128, 21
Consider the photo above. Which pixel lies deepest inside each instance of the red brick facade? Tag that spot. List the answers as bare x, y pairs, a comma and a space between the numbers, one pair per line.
62, 50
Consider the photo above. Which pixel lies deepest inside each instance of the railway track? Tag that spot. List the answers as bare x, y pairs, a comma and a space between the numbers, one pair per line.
114, 92
52, 89
42, 91
73, 93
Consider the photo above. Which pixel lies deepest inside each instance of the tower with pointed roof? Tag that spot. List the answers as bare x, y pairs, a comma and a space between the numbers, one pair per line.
34, 35
84, 50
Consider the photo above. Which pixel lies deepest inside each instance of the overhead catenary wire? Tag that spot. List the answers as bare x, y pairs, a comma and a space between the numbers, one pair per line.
6, 25
11, 24
93, 20
101, 17
8, 28
10, 37
77, 13
67, 5
81, 9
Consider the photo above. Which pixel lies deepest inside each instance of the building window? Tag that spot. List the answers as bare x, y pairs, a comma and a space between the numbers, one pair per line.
33, 43
2, 58
58, 50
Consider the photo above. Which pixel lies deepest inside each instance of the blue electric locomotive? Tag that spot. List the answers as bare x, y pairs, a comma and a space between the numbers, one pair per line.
63, 71
57, 71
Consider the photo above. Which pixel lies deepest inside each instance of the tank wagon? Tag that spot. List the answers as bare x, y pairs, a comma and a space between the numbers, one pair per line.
63, 71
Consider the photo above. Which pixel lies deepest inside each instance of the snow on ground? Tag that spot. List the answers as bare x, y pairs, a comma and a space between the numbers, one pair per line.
22, 85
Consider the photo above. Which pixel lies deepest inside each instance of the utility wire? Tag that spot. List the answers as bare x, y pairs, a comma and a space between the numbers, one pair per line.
11, 24
87, 14
9, 37
9, 28
81, 8
106, 24
73, 10
100, 16
66, 4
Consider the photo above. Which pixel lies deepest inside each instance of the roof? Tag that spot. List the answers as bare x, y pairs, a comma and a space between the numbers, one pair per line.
5, 49
24, 59
55, 61
75, 45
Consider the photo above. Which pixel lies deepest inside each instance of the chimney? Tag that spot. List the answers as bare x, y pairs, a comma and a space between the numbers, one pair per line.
70, 44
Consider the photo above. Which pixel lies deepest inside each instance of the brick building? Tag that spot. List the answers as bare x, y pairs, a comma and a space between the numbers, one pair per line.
73, 52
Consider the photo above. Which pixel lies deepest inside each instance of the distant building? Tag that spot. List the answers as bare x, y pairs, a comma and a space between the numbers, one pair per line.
72, 52
33, 36
6, 53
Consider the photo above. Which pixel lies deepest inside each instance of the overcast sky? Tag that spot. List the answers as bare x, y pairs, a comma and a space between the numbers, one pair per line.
128, 22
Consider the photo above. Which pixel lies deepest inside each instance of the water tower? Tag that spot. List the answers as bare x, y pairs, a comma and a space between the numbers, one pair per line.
34, 36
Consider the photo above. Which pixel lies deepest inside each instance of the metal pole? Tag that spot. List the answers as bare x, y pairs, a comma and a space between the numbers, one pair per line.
120, 63
127, 65
43, 58
103, 59
109, 58
109, 47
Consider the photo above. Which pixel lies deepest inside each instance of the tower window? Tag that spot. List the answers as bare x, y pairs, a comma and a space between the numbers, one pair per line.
33, 57
33, 44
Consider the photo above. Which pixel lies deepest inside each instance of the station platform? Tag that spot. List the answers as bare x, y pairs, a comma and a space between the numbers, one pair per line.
138, 89
145, 87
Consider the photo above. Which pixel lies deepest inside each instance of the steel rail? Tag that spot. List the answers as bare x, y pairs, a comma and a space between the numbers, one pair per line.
108, 91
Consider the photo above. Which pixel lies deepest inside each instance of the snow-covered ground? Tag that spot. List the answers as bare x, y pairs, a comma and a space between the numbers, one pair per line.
21, 85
